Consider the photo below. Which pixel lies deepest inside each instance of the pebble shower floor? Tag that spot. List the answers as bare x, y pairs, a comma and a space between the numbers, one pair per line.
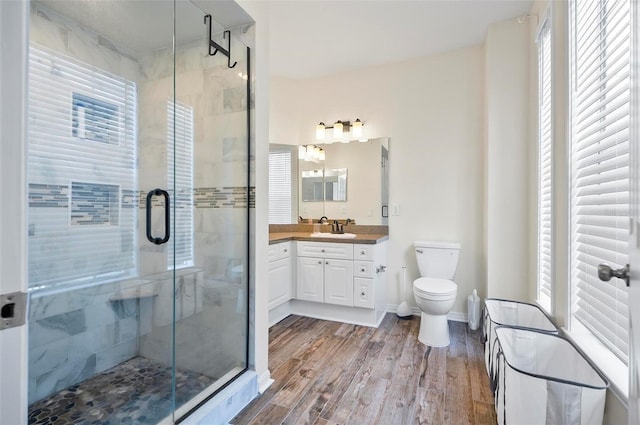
137, 391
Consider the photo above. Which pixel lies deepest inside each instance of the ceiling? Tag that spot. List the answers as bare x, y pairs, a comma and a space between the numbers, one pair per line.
145, 25
313, 38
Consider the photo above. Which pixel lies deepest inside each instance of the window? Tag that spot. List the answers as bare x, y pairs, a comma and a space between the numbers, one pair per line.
81, 174
180, 177
600, 66
280, 184
544, 263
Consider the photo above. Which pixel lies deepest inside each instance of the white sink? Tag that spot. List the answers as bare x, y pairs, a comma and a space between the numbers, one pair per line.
334, 235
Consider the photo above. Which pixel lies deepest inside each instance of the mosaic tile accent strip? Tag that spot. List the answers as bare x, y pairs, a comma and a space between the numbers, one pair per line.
137, 391
94, 204
48, 195
129, 198
221, 197
96, 209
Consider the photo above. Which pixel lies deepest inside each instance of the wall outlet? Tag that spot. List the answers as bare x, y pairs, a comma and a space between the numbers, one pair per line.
395, 209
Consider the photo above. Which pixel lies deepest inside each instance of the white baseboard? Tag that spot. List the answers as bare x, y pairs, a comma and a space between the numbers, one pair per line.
264, 381
453, 315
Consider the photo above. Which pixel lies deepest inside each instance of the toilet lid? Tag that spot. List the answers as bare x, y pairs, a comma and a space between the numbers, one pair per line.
431, 286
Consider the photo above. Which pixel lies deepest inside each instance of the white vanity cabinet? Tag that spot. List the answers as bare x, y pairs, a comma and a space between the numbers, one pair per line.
325, 272
280, 273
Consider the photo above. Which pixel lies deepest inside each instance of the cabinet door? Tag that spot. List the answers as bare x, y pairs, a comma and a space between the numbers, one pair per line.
338, 282
310, 279
279, 282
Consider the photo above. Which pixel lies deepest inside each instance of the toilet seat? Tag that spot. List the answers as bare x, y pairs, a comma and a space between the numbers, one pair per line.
432, 288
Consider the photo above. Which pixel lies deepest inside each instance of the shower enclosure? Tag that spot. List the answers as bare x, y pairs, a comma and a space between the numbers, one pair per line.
139, 190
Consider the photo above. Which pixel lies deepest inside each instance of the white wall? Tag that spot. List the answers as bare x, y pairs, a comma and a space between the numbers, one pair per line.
507, 185
259, 339
432, 110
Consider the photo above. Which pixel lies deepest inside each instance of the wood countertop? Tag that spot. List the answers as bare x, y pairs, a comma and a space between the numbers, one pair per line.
364, 238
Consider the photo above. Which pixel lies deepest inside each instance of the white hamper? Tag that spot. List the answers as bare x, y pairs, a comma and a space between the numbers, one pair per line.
542, 378
510, 313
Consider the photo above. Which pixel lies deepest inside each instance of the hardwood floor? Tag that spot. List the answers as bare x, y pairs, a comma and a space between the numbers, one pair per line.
329, 373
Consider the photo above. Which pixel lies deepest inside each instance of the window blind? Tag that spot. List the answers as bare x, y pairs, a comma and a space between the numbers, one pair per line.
544, 275
280, 193
180, 176
81, 174
600, 32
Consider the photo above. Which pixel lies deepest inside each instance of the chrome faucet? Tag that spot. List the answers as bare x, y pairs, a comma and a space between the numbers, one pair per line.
324, 217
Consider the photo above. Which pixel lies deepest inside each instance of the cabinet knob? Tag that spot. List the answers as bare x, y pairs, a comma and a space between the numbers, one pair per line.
319, 262
322, 250
285, 250
362, 269
363, 252
362, 293
327, 262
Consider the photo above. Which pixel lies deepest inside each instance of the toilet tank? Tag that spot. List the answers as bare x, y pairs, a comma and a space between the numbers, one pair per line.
437, 259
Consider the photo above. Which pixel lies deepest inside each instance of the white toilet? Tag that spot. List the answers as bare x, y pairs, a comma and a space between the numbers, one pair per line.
434, 292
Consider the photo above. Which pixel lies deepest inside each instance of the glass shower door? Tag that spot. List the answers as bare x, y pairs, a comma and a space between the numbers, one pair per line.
137, 178
210, 211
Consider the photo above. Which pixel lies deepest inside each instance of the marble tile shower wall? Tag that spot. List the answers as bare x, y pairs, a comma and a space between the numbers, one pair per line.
217, 95
75, 334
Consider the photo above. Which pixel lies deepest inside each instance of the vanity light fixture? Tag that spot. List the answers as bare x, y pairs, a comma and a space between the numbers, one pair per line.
356, 130
320, 131
311, 153
337, 129
341, 130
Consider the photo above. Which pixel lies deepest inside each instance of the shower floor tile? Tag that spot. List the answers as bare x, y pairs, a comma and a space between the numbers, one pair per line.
137, 391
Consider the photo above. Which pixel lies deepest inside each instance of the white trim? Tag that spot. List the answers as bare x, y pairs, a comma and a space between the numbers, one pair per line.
454, 316
227, 403
265, 381
608, 363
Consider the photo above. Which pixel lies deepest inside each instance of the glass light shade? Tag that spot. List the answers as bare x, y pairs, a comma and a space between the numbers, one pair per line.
302, 153
320, 131
322, 155
337, 130
356, 129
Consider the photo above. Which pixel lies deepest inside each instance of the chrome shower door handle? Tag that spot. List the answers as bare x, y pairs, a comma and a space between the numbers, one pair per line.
167, 216
605, 273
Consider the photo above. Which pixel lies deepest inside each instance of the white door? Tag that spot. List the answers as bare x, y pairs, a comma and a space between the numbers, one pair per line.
634, 242
13, 339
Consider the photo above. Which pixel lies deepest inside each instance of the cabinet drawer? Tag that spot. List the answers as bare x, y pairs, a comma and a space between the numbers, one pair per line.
273, 252
363, 269
340, 251
363, 293
279, 251
363, 252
